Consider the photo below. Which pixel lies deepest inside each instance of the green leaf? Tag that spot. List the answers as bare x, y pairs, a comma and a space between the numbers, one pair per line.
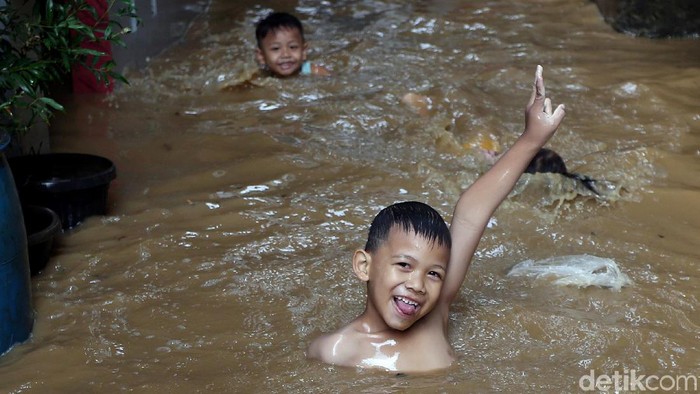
49, 11
41, 44
51, 103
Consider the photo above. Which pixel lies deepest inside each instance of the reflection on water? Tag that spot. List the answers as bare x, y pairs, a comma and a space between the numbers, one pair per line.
238, 204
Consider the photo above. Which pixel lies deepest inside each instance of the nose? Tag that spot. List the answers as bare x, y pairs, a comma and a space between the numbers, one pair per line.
416, 282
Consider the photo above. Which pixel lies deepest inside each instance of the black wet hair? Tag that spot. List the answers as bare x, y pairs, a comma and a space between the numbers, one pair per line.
547, 160
274, 22
413, 216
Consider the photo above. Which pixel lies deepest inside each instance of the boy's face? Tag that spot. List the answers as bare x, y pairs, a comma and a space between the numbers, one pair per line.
405, 277
283, 51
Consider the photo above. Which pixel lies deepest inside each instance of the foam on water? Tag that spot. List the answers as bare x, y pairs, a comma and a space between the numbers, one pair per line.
574, 270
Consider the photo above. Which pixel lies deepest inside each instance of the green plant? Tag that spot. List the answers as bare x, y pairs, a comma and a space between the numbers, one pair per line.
41, 41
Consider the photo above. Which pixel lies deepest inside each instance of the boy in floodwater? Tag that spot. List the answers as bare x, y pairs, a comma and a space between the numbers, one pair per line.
282, 48
414, 265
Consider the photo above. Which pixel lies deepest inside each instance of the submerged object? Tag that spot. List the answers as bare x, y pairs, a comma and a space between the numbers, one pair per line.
547, 160
575, 270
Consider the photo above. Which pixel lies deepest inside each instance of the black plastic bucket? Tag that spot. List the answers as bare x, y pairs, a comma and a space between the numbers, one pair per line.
74, 185
42, 225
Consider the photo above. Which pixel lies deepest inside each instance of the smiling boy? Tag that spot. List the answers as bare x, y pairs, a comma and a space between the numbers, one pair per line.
414, 265
282, 47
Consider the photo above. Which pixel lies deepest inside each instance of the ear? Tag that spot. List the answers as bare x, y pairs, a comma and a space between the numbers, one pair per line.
260, 57
304, 49
361, 261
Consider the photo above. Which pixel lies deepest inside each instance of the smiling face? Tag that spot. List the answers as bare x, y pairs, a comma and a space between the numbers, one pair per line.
283, 51
405, 276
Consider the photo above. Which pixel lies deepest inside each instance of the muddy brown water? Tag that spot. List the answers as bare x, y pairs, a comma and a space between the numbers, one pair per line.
238, 204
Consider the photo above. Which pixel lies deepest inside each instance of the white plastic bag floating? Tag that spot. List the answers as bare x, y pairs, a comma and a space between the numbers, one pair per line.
576, 270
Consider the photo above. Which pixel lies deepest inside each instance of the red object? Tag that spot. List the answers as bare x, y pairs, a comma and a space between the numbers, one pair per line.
84, 81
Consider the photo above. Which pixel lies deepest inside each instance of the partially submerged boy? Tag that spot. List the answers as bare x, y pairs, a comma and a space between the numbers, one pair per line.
414, 265
282, 47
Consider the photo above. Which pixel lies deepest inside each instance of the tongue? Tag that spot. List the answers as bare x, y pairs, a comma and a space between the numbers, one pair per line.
405, 308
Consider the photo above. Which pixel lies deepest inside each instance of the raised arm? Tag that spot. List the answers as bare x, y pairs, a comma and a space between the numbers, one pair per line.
480, 200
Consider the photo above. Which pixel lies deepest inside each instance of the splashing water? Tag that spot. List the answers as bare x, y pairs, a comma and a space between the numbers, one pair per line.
576, 270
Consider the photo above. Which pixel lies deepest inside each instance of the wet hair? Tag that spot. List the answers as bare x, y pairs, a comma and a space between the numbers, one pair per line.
274, 22
547, 160
413, 216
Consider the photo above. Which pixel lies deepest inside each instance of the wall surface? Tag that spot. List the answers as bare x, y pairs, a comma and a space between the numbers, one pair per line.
163, 23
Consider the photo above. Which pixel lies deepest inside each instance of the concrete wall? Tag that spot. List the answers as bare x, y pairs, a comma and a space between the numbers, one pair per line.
163, 23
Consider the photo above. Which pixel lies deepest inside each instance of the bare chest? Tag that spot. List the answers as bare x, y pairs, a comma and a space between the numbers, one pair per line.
405, 353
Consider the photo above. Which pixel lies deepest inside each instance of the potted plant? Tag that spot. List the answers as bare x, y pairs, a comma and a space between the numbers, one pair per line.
41, 43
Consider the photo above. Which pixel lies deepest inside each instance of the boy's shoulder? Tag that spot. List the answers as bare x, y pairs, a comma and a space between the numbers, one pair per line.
422, 347
341, 347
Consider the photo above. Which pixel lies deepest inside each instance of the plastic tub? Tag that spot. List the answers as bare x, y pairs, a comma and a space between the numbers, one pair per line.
42, 225
74, 185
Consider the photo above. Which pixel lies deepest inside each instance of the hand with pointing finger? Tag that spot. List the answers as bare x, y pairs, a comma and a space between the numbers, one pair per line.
540, 121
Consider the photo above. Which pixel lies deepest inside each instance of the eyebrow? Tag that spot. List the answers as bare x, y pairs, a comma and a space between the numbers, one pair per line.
284, 43
404, 256
407, 257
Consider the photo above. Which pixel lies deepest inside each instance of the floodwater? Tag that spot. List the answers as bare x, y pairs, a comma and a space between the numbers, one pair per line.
239, 201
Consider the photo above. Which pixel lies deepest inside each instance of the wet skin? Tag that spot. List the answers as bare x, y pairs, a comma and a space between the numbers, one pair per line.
283, 51
404, 278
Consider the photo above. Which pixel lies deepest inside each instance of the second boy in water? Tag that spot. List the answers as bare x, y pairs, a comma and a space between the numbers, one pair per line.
282, 47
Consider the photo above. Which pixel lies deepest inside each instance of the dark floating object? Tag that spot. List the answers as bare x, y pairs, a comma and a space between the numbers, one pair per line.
547, 160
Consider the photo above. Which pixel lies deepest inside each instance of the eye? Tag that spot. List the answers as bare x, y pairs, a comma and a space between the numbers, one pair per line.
435, 274
403, 265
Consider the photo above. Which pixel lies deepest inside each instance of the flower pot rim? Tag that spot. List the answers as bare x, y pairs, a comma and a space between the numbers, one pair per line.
61, 172
47, 232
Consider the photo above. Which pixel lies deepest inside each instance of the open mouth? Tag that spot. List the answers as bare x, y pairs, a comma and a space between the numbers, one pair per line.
286, 66
406, 306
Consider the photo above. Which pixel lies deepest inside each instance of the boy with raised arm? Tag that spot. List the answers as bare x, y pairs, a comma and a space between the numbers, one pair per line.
414, 265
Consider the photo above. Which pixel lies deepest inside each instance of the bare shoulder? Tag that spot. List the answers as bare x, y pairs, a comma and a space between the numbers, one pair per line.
319, 347
422, 347
338, 347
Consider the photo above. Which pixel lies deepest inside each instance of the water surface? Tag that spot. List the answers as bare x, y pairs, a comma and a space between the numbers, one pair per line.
240, 200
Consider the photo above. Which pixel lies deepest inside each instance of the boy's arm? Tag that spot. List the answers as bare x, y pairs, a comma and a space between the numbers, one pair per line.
480, 200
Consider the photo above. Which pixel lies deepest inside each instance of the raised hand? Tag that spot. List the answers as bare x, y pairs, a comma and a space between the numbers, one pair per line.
540, 121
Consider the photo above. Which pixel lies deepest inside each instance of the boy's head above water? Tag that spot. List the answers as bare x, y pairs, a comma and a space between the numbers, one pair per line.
410, 216
281, 44
404, 263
